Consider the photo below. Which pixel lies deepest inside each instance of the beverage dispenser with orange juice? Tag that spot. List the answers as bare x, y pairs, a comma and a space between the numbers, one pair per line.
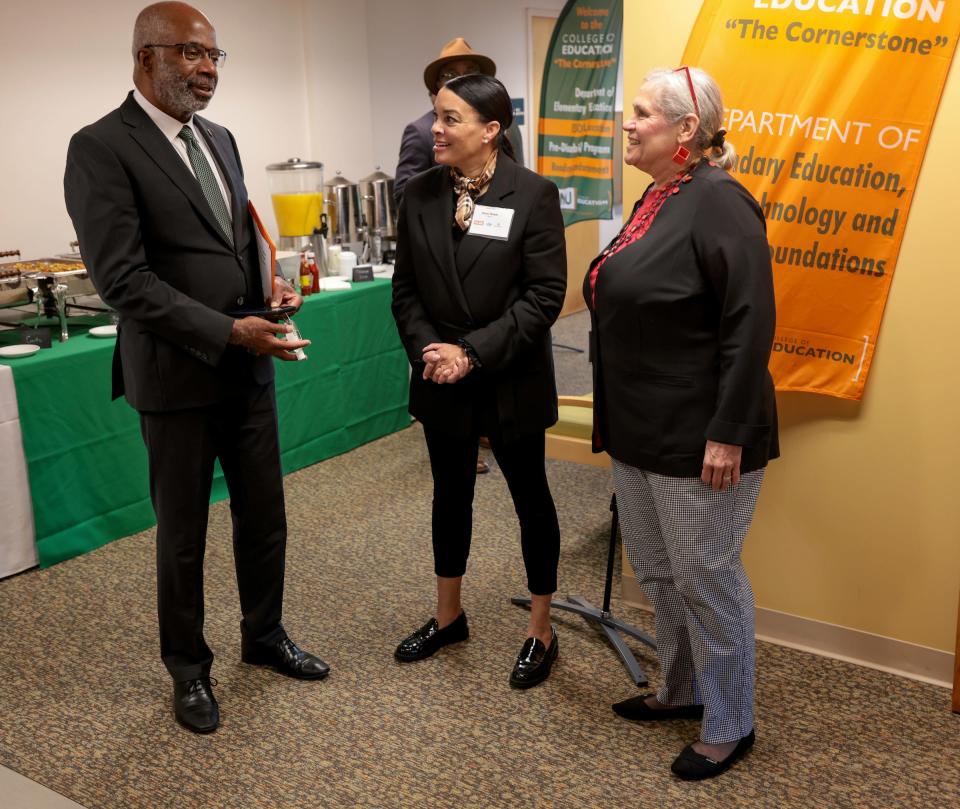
296, 189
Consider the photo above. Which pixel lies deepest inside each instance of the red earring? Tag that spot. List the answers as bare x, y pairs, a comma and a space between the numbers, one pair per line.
681, 155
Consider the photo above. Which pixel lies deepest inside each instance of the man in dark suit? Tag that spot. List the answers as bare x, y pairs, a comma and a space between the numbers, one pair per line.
157, 197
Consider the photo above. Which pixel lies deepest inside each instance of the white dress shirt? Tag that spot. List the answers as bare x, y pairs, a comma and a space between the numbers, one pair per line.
170, 127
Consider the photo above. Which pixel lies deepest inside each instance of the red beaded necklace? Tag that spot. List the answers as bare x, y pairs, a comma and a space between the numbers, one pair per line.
640, 222
644, 216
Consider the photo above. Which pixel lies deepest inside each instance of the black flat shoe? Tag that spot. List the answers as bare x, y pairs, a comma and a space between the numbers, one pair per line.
534, 661
287, 658
429, 638
195, 706
637, 710
691, 766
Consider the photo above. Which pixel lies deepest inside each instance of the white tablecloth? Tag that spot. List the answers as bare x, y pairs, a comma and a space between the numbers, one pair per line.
17, 548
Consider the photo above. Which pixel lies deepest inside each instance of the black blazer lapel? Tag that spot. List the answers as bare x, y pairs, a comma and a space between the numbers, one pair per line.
436, 218
161, 152
501, 186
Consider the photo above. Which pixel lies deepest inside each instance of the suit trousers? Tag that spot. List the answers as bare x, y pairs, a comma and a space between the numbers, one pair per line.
684, 542
453, 462
240, 431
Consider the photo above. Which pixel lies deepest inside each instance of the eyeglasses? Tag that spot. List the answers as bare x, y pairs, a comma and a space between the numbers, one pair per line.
194, 52
693, 93
446, 75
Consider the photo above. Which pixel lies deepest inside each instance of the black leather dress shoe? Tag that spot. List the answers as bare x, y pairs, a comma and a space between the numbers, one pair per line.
637, 710
287, 658
429, 638
691, 766
195, 706
534, 661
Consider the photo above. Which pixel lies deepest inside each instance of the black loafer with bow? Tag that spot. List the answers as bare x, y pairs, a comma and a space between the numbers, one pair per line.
287, 658
430, 638
195, 706
636, 710
534, 661
692, 766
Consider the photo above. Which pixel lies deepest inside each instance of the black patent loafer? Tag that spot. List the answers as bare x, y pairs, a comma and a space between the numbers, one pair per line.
534, 661
636, 710
691, 766
287, 658
195, 706
430, 638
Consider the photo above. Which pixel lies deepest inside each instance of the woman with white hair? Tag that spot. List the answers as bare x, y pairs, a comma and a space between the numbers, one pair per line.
682, 311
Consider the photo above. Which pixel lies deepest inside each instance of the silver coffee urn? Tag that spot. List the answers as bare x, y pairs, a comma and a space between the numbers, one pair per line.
379, 215
344, 213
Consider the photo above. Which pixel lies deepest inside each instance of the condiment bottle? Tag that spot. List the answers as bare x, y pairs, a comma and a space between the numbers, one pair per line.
306, 279
314, 271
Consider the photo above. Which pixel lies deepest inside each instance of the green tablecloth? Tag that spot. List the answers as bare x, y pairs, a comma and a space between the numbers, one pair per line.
85, 458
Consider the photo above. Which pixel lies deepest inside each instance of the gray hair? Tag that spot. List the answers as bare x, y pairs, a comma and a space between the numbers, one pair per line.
152, 25
672, 94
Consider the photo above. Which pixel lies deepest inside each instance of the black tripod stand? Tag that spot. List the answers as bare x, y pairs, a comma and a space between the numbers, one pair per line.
610, 626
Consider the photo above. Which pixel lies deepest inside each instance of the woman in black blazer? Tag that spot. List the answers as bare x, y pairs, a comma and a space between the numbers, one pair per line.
683, 317
479, 279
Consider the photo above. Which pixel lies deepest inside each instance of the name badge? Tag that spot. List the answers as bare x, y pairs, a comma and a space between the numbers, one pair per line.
490, 222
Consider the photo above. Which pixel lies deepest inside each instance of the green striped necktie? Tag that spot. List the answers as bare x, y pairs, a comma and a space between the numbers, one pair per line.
208, 182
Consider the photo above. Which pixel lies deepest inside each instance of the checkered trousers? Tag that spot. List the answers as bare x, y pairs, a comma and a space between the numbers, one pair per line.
684, 541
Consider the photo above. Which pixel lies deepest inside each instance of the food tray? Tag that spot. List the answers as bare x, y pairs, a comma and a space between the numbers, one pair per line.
17, 276
12, 271
41, 267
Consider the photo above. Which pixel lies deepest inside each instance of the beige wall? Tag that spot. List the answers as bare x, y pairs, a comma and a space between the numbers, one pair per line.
64, 64
327, 80
859, 521
405, 36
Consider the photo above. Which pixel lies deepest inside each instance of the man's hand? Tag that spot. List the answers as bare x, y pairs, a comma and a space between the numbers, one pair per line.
721, 465
284, 295
445, 363
258, 336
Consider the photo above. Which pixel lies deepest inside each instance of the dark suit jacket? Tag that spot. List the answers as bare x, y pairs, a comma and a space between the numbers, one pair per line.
682, 332
416, 151
500, 296
157, 255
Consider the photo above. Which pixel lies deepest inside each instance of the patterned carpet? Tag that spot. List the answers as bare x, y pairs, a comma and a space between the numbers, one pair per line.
84, 700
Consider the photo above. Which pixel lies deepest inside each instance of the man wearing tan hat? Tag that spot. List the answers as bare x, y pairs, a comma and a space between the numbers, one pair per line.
416, 147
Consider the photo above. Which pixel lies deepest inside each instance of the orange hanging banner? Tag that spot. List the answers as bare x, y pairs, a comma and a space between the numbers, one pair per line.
829, 104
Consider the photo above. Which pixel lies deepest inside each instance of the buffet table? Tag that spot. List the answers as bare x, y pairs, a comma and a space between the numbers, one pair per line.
85, 459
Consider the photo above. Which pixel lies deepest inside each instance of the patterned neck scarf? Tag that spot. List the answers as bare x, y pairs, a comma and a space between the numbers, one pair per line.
470, 188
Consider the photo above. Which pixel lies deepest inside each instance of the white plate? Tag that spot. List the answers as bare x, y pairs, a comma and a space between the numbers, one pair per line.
24, 350
103, 331
333, 283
